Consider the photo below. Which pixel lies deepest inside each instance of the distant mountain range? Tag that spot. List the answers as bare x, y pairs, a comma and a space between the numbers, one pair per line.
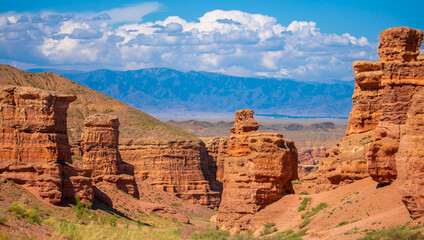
156, 90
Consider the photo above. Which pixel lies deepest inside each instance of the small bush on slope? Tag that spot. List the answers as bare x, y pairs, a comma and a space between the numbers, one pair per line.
304, 204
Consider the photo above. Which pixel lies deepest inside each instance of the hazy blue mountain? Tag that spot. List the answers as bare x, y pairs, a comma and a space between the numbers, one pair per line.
161, 89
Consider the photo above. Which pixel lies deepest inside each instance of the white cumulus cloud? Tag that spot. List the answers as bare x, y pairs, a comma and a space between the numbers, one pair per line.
230, 42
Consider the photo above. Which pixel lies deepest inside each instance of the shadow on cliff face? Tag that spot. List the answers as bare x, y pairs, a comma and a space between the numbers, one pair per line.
209, 169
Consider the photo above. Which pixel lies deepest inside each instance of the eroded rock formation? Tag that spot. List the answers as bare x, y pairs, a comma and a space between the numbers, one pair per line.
258, 170
172, 166
33, 139
381, 100
33, 126
402, 76
35, 151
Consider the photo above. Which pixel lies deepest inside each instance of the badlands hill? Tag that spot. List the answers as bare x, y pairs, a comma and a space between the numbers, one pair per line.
134, 123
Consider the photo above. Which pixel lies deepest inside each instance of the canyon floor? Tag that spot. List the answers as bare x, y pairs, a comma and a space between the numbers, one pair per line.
353, 211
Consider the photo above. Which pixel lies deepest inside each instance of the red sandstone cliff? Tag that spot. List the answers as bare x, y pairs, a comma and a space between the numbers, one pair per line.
383, 138
35, 152
258, 170
173, 166
381, 100
34, 139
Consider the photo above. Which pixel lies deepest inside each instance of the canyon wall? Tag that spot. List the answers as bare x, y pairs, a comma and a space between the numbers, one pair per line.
381, 99
179, 167
383, 138
258, 170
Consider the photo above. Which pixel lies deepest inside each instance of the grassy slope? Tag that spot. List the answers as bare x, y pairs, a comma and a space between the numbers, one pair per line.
134, 123
128, 218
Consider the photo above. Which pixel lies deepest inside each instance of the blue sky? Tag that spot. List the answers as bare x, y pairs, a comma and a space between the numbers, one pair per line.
305, 40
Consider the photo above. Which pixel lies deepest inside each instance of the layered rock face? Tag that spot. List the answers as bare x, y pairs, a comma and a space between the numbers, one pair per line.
100, 144
409, 159
33, 139
33, 125
100, 153
35, 151
258, 170
174, 166
402, 76
381, 100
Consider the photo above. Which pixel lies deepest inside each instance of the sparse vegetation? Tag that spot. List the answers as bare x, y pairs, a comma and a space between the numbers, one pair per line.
307, 216
394, 233
342, 224
211, 234
304, 204
269, 228
3, 218
287, 235
29, 214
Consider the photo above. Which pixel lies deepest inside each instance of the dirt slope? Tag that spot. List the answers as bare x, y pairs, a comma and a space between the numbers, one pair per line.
350, 210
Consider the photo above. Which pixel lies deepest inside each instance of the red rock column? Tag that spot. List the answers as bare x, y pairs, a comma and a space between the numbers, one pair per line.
33, 139
402, 77
100, 154
258, 170
33, 126
100, 144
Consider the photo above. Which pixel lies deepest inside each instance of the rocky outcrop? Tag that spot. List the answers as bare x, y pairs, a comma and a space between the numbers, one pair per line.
34, 140
258, 170
33, 126
35, 151
381, 100
366, 99
77, 182
172, 166
402, 76
409, 159
344, 163
100, 144
100, 153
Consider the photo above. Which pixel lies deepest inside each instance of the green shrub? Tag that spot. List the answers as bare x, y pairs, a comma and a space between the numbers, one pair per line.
314, 210
304, 204
304, 193
287, 235
342, 224
112, 221
17, 208
305, 223
139, 224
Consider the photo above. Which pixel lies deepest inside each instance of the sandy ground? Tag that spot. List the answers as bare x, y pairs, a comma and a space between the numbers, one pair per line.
350, 209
